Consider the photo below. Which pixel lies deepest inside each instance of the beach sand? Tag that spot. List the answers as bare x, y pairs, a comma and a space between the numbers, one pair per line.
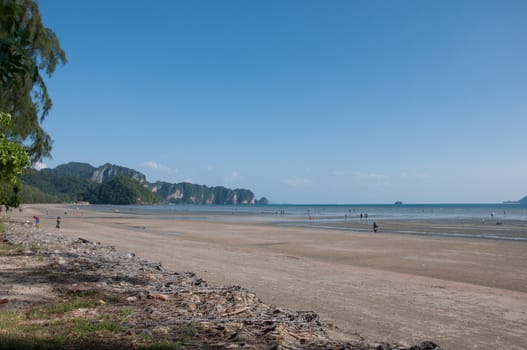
459, 293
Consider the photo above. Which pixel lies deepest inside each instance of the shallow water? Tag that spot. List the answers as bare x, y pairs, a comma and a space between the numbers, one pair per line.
381, 211
477, 221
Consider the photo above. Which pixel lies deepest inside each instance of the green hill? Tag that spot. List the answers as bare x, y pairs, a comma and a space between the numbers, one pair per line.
113, 184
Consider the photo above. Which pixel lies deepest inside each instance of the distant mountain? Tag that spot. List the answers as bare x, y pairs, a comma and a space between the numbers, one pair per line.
73, 169
109, 171
523, 200
113, 184
102, 174
199, 194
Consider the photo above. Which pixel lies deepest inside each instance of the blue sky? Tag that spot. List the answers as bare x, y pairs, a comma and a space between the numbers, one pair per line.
299, 101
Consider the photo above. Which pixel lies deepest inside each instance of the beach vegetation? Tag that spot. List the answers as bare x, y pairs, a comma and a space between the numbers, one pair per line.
60, 323
28, 50
58, 332
13, 160
51, 310
76, 321
10, 249
35, 248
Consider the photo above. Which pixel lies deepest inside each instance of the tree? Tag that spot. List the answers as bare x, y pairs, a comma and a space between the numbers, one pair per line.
27, 48
120, 190
13, 160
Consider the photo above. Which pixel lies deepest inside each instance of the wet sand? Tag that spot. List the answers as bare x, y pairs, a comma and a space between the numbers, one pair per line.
460, 293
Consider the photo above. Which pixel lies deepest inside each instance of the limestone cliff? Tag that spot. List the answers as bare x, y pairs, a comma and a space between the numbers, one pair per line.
82, 182
109, 171
188, 193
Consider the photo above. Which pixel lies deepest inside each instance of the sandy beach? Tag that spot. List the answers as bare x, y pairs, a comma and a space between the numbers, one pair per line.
460, 293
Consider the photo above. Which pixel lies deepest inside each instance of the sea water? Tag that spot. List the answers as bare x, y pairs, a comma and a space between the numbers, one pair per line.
506, 222
335, 212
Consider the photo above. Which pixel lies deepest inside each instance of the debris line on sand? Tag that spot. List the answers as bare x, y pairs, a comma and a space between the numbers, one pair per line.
179, 307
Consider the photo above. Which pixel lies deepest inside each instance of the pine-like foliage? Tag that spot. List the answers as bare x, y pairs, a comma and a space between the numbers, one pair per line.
27, 49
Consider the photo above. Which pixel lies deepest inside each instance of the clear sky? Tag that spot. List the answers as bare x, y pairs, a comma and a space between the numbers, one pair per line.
302, 101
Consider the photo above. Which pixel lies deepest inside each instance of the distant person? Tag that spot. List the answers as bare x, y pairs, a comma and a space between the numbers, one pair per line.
58, 223
361, 216
375, 227
37, 221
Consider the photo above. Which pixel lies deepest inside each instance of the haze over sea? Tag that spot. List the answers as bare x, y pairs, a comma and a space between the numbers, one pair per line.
479, 221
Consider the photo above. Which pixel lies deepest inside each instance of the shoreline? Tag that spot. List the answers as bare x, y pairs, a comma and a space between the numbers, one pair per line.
461, 293
137, 303
498, 229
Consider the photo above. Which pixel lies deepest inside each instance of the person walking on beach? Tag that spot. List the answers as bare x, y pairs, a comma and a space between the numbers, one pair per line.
58, 223
37, 221
375, 227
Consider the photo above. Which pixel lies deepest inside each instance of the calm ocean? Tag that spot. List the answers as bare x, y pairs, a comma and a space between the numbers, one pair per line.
330, 212
507, 222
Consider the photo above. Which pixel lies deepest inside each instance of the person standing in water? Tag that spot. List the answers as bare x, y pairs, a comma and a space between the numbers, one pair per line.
375, 227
